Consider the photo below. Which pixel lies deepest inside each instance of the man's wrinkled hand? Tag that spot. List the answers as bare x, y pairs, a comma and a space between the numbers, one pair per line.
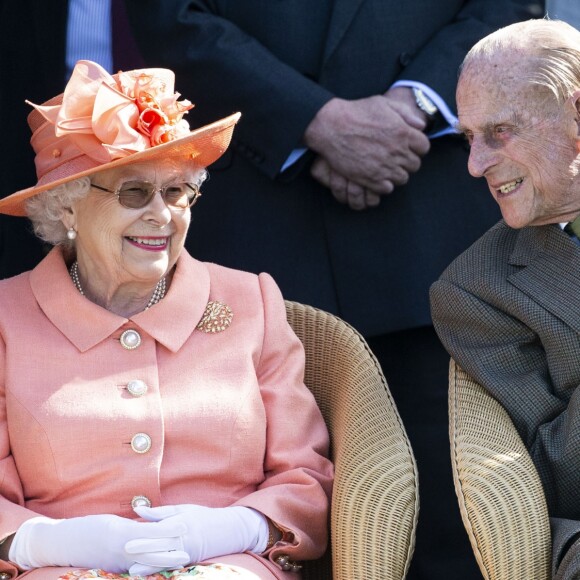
344, 191
369, 142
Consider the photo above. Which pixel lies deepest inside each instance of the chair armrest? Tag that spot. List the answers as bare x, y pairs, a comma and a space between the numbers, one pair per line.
375, 496
500, 495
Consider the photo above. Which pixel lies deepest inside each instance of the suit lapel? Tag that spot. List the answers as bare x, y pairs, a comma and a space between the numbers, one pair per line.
343, 13
551, 273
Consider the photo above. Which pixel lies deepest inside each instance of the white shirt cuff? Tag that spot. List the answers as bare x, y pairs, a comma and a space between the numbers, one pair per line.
439, 102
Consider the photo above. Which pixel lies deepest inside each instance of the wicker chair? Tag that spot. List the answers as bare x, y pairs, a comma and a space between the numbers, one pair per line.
375, 497
499, 491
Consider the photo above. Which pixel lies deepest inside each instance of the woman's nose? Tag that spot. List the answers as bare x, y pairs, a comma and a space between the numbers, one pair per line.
158, 210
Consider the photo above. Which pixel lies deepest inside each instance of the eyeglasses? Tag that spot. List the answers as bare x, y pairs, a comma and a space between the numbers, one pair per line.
137, 194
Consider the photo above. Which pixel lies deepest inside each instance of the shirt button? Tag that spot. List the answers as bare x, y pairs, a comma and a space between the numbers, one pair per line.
137, 388
130, 339
140, 501
141, 443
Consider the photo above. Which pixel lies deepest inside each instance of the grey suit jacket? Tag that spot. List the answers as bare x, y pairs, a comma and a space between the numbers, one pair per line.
508, 310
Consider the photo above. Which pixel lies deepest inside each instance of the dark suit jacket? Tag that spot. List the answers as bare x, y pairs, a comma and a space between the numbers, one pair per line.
32, 52
32, 61
508, 310
278, 62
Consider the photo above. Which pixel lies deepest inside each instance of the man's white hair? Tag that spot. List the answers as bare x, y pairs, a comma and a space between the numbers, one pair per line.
549, 51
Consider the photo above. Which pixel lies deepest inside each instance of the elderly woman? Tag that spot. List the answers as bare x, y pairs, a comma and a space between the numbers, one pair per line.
152, 410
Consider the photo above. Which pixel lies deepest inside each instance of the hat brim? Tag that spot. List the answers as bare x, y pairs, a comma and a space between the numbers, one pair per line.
202, 147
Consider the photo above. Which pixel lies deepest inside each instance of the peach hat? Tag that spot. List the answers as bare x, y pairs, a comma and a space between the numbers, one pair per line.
103, 121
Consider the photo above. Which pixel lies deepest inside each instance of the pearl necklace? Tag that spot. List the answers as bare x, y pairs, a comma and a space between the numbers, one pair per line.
157, 295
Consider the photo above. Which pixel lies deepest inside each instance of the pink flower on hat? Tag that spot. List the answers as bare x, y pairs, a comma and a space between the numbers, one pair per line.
108, 118
160, 113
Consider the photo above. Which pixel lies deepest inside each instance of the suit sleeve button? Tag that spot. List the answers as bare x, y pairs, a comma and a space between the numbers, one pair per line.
405, 58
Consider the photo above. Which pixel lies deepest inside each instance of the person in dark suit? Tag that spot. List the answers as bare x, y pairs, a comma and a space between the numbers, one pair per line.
39, 45
32, 61
508, 309
325, 133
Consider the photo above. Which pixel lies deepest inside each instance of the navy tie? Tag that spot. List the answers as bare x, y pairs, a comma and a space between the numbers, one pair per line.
126, 55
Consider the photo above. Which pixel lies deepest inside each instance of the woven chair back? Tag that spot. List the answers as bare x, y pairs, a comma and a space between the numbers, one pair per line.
375, 498
500, 495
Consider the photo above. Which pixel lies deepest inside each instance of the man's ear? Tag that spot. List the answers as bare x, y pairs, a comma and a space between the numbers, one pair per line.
575, 101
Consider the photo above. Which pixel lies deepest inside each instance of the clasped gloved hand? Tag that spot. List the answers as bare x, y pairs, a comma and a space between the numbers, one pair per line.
96, 541
203, 533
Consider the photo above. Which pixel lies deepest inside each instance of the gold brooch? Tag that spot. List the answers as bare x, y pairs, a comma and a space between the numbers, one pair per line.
216, 317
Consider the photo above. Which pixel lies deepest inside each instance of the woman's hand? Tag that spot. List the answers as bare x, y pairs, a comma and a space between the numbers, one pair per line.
95, 542
204, 533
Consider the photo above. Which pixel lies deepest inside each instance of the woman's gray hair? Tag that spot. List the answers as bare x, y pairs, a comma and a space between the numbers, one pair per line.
551, 47
46, 209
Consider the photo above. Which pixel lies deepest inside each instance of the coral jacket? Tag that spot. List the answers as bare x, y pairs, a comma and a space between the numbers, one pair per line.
228, 417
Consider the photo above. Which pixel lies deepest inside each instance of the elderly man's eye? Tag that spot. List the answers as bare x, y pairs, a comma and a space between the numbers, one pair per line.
501, 130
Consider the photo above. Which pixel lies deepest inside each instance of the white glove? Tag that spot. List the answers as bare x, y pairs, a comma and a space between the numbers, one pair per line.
93, 542
207, 533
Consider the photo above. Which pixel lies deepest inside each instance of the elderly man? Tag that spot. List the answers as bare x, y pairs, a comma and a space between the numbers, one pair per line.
508, 309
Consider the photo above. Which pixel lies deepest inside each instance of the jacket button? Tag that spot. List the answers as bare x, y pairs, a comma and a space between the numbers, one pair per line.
405, 58
137, 388
141, 443
130, 339
140, 501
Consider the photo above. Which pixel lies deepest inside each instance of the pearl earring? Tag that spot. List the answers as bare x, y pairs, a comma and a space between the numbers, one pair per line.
71, 234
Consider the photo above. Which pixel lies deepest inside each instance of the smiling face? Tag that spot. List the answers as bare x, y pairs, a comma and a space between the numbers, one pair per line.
117, 246
522, 142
